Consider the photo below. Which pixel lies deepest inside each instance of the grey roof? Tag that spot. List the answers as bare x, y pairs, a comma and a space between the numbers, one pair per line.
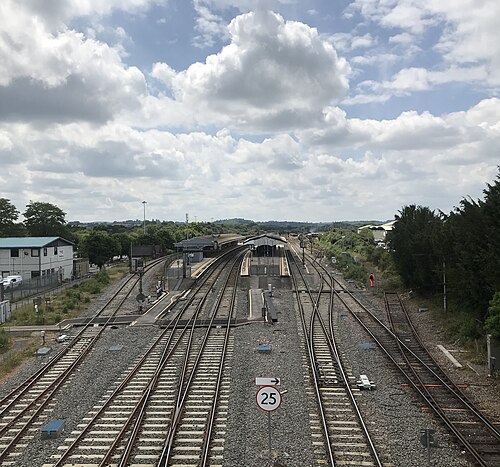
30, 242
207, 241
275, 238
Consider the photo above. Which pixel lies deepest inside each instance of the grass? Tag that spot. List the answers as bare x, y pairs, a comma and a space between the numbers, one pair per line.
11, 359
66, 304
458, 327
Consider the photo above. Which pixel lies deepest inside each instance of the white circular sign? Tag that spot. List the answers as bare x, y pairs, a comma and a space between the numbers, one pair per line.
268, 398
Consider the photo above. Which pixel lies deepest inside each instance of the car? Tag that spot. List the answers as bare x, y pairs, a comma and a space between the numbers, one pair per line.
12, 282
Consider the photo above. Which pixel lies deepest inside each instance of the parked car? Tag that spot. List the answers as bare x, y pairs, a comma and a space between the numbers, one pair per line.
12, 282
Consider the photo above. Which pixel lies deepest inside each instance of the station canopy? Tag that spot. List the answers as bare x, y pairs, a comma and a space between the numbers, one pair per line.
268, 240
207, 242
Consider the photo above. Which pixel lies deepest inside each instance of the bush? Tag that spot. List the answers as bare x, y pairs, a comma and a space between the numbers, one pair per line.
4, 339
102, 277
73, 294
492, 323
91, 287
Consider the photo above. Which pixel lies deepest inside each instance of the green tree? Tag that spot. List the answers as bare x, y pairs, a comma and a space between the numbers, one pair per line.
416, 247
473, 240
8, 216
44, 220
492, 324
124, 240
99, 247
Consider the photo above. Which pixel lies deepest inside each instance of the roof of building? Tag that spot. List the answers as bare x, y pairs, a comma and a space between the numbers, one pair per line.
387, 226
207, 241
265, 239
30, 242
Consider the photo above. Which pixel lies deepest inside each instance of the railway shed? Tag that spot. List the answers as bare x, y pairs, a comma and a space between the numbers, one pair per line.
195, 249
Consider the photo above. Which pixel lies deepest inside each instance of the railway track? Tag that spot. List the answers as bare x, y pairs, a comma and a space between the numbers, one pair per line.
339, 427
475, 432
400, 342
27, 407
170, 408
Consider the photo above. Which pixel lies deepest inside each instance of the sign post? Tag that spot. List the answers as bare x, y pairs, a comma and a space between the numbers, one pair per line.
427, 440
264, 381
268, 399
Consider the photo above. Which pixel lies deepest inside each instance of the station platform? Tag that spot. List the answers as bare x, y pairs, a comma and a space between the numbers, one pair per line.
199, 268
245, 266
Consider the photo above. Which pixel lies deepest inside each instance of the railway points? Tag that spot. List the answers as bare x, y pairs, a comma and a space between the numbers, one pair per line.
189, 380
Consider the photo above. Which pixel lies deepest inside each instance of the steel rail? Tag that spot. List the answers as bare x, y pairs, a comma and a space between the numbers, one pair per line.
168, 445
435, 409
430, 398
138, 411
332, 345
312, 365
41, 400
21, 389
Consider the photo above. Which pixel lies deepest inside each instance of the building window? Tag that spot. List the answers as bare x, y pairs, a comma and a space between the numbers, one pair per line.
14, 252
45, 252
35, 252
35, 274
55, 250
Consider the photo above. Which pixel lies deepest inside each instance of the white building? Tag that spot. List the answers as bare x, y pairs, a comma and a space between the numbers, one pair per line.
36, 256
379, 231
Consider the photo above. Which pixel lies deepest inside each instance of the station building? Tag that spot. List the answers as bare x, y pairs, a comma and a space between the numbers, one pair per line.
32, 257
197, 248
266, 245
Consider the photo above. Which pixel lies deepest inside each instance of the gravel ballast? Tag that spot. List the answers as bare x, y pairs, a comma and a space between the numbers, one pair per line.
394, 413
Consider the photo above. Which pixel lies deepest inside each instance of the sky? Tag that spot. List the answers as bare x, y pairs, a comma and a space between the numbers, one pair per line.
304, 110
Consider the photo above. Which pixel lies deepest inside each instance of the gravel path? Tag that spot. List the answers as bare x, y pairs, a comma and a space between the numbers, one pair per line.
247, 442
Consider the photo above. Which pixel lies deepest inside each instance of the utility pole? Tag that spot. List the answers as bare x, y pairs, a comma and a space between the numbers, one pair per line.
444, 285
144, 204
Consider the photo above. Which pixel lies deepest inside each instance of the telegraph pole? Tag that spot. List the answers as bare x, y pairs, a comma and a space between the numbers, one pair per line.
144, 204
444, 285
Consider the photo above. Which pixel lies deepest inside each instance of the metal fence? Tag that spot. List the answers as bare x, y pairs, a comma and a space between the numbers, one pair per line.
37, 287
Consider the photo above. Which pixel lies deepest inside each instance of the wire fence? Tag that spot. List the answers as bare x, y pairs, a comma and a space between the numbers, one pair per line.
42, 287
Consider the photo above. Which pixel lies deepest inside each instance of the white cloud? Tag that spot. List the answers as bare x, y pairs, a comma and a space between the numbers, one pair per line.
57, 12
60, 76
77, 123
422, 133
210, 26
164, 73
364, 41
404, 39
409, 80
274, 73
378, 164
470, 28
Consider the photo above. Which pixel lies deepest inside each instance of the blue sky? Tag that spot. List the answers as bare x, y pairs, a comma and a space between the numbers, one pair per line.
284, 109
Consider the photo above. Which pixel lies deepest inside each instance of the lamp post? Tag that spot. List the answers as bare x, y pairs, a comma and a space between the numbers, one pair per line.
144, 204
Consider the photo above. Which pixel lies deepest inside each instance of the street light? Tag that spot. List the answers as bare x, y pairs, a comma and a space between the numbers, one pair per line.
144, 204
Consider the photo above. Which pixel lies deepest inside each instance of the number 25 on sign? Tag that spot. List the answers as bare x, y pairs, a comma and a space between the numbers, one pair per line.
268, 398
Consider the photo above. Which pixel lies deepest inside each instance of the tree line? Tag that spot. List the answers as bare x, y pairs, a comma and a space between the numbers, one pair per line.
457, 253
101, 243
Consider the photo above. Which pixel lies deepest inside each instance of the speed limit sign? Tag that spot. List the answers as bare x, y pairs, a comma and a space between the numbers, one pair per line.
268, 398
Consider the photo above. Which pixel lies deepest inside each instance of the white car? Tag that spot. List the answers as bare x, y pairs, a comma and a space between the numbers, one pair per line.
11, 281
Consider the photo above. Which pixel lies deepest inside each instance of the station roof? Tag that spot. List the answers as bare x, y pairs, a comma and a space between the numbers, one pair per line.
32, 242
265, 239
207, 241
